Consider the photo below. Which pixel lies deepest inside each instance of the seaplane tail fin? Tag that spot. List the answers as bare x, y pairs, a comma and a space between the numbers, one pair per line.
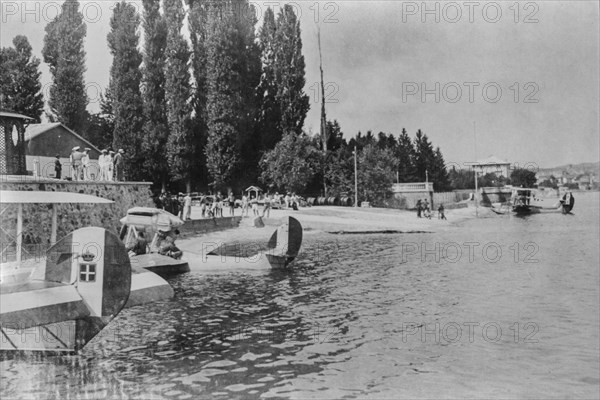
87, 283
287, 239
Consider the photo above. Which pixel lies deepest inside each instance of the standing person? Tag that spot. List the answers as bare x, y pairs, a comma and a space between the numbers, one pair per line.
118, 163
418, 208
187, 207
441, 214
231, 200
254, 203
203, 208
426, 210
57, 167
267, 206
110, 165
287, 200
103, 166
214, 212
75, 159
179, 209
85, 164
219, 205
244, 205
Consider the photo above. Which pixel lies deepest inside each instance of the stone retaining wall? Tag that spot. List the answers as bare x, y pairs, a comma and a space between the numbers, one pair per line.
196, 226
37, 217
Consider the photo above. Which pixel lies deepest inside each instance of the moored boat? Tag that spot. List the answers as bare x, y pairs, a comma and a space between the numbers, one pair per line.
530, 201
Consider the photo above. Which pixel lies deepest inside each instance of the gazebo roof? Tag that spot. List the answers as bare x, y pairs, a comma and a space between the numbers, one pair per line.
254, 189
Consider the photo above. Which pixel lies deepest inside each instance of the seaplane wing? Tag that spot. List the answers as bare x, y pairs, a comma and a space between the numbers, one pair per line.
86, 282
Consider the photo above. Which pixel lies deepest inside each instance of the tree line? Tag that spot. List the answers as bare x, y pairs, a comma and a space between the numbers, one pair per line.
225, 108
301, 163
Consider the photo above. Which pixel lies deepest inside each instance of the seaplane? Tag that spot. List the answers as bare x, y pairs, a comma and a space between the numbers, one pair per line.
58, 301
278, 253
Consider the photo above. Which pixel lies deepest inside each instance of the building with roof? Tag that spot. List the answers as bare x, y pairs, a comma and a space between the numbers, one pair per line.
585, 181
44, 141
491, 165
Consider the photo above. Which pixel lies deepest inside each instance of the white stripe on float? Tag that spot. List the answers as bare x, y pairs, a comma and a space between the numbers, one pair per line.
11, 302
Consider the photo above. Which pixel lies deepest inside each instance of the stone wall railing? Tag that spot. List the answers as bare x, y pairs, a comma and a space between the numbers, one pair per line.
412, 187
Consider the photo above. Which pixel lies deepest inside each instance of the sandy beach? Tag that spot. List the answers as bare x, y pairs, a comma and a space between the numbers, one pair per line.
337, 220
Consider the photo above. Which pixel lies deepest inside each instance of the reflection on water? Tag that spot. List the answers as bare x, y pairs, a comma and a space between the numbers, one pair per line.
504, 307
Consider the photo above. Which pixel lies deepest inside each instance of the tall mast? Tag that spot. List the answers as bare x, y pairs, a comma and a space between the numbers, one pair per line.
324, 135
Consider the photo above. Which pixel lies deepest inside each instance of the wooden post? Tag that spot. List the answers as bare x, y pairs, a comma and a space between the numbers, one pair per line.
54, 224
355, 180
19, 230
476, 201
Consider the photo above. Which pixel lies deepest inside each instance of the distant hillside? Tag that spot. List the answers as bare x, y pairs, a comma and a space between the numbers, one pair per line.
573, 169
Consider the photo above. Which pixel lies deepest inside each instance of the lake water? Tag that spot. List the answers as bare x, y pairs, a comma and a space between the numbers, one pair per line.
505, 307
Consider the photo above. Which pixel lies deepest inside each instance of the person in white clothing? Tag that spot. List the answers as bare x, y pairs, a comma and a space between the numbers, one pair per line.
109, 163
103, 165
187, 207
85, 164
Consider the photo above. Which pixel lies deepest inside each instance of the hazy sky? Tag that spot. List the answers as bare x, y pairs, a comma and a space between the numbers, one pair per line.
526, 73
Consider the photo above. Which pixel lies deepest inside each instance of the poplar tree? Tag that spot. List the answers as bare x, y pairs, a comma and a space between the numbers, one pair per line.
180, 144
269, 115
289, 72
156, 128
197, 21
125, 80
63, 51
232, 74
20, 87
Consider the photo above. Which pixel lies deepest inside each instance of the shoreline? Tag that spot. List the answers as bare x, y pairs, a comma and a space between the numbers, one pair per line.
334, 220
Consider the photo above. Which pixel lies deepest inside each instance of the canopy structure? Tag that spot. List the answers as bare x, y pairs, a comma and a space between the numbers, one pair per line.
41, 197
254, 189
154, 218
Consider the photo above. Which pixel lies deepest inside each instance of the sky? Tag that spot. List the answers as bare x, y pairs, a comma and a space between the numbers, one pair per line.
518, 80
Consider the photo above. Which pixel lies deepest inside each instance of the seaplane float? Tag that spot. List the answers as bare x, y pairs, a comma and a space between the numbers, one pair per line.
57, 302
528, 201
278, 253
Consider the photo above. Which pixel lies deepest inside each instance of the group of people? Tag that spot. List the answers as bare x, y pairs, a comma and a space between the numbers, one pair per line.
177, 205
165, 244
110, 165
423, 210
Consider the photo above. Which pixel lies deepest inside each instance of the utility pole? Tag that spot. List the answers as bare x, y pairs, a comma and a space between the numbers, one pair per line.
355, 180
475, 170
